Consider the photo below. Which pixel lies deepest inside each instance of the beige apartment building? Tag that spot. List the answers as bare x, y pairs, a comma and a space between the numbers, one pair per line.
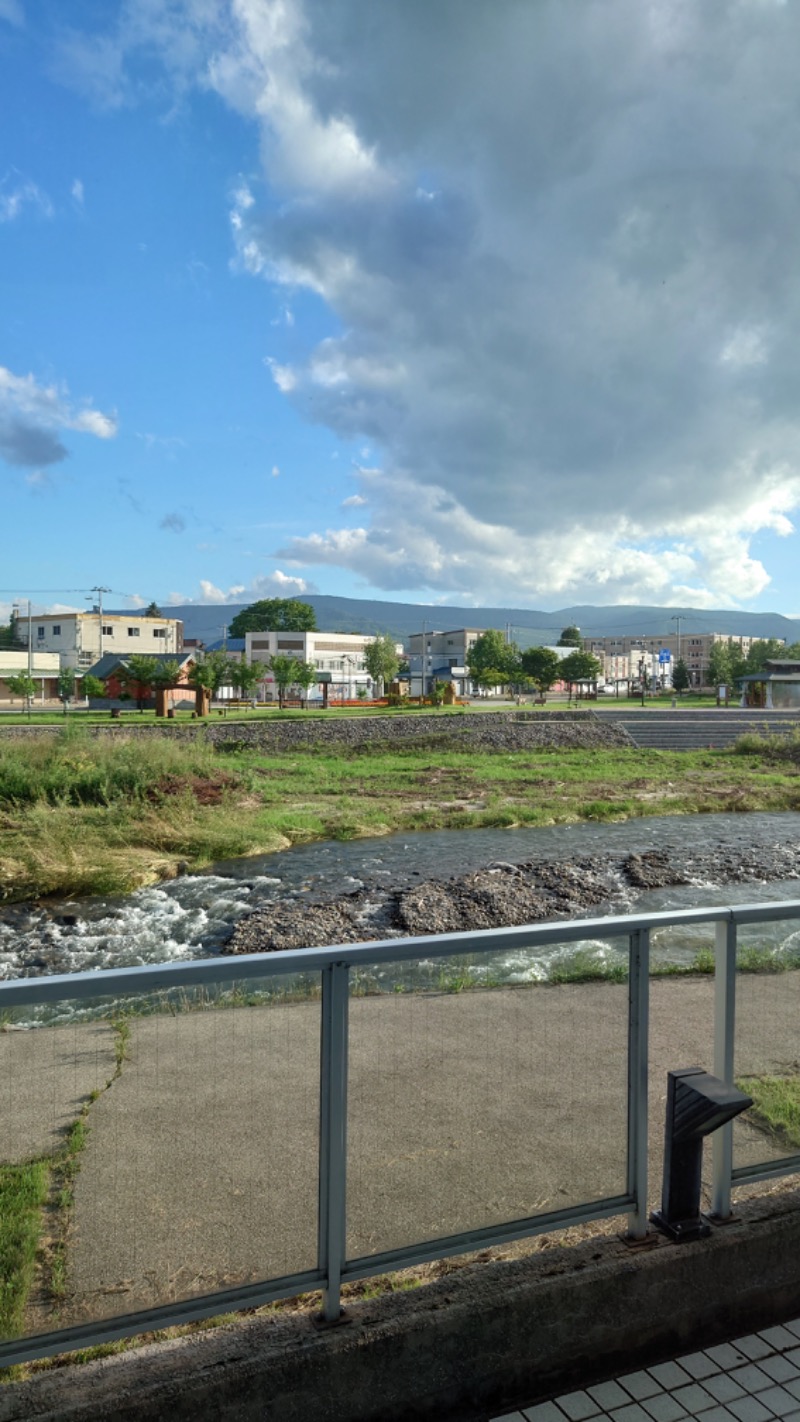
693, 647
81, 638
340, 655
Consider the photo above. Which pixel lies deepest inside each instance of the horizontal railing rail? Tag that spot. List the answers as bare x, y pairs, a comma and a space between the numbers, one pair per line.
335, 965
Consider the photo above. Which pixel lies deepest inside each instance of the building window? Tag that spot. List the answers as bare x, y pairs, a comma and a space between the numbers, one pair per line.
39, 631
85, 659
57, 629
133, 631
159, 631
108, 631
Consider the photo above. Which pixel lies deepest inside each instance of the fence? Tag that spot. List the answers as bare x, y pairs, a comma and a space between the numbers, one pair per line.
374, 1117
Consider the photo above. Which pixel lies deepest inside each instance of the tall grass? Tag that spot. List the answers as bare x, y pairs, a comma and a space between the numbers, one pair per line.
75, 768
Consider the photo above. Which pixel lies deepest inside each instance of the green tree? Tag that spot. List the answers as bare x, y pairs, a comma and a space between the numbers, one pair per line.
66, 686
213, 672
284, 670
737, 661
138, 675
274, 614
92, 687
382, 661
719, 664
570, 637
543, 666
152, 610
680, 677
305, 676
767, 651
579, 666
22, 685
491, 661
245, 676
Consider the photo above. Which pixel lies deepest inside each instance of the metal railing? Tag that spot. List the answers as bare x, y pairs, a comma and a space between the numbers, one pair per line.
335, 964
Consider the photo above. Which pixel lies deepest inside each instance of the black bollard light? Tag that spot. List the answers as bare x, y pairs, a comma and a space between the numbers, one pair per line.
697, 1104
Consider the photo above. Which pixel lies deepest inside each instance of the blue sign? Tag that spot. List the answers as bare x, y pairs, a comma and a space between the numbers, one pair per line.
664, 655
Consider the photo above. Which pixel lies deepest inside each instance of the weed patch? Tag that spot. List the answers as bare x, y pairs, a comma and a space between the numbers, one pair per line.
776, 1106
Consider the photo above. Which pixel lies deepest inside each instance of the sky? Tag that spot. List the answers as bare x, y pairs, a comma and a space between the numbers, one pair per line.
427, 300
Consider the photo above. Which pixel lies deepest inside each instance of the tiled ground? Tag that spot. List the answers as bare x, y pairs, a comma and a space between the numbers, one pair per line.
753, 1379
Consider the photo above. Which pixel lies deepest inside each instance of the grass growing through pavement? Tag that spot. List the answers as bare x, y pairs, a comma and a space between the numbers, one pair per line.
36, 1200
776, 1106
83, 816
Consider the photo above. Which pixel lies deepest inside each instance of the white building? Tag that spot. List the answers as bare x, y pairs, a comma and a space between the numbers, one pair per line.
44, 670
339, 655
81, 638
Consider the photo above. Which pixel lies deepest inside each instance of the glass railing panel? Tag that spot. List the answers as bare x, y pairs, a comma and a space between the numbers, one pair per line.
484, 1089
166, 1144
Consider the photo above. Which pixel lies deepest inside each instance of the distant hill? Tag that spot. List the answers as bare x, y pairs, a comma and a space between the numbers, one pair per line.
528, 626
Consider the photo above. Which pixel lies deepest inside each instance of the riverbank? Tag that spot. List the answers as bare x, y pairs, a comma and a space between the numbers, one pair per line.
108, 816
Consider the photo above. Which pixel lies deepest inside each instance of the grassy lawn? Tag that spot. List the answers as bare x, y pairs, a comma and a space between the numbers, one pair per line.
776, 1106
81, 816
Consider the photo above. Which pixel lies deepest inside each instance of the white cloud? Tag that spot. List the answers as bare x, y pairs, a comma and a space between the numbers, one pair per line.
275, 471
18, 193
355, 501
564, 281
536, 340
277, 584
32, 417
76, 192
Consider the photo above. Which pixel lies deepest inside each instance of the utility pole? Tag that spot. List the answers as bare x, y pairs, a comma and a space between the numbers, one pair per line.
679, 620
100, 591
30, 656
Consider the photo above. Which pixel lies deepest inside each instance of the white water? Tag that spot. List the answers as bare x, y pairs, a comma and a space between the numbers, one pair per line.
191, 917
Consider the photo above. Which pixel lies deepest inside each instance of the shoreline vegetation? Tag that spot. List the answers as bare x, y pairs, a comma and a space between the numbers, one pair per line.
80, 816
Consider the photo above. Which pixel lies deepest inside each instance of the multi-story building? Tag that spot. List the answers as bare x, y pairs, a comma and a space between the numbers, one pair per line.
440, 656
339, 656
81, 638
693, 647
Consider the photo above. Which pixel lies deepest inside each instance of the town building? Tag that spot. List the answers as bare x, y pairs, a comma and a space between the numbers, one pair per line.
44, 670
441, 656
81, 638
693, 647
338, 656
111, 668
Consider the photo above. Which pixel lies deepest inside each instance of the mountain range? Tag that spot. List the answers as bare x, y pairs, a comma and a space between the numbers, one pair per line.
527, 626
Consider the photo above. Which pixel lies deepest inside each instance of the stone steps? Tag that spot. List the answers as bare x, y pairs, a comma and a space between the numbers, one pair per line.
698, 730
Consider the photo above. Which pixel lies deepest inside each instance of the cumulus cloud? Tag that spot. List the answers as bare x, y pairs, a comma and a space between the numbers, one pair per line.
277, 584
558, 241
32, 417
76, 192
355, 501
575, 345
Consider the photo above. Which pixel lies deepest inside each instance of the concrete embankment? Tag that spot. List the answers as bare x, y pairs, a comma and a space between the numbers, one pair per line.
496, 730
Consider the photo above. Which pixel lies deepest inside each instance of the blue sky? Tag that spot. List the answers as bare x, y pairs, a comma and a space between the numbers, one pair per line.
471, 304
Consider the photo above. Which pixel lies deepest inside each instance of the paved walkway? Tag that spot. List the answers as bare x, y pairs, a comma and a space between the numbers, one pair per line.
752, 1379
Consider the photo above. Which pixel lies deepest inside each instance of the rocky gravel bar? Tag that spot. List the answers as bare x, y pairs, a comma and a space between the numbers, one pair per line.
516, 729
501, 895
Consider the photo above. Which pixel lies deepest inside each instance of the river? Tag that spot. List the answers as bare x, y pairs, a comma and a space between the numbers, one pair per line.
192, 916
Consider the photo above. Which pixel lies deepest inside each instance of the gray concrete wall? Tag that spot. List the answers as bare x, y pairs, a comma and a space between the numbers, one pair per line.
475, 1342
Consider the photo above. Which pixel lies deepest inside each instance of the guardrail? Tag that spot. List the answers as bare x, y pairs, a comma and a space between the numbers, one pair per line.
337, 968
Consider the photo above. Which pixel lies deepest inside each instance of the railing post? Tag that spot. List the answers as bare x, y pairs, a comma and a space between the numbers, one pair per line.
638, 1034
333, 1135
724, 1038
